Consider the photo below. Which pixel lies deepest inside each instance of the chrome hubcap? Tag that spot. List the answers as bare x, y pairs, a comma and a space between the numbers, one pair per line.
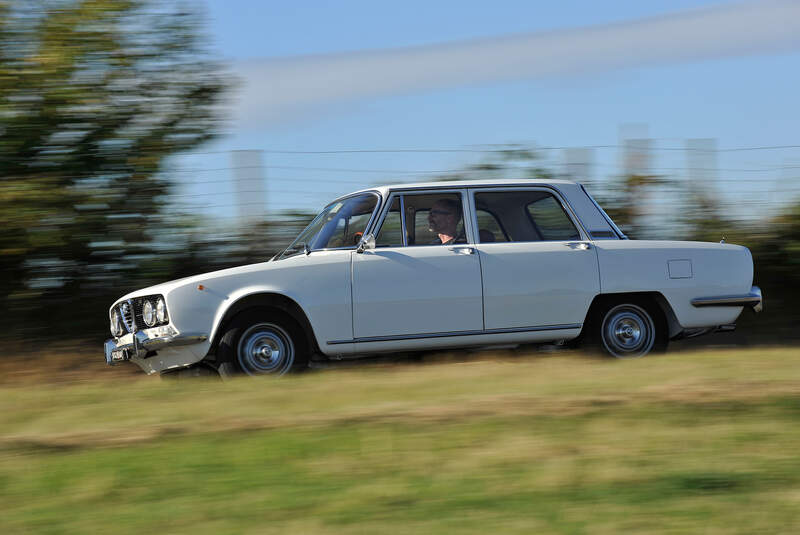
628, 331
265, 348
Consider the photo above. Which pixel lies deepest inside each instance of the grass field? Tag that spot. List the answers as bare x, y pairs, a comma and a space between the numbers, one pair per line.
685, 443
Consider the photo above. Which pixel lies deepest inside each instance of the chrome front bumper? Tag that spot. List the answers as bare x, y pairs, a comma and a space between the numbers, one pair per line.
137, 345
752, 300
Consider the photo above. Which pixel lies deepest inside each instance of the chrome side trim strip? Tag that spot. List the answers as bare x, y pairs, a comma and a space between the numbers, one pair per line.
457, 333
753, 300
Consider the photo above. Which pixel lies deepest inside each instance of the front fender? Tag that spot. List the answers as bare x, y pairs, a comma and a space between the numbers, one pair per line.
232, 301
318, 283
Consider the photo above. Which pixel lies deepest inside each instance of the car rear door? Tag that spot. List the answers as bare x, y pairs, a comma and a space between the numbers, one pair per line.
539, 270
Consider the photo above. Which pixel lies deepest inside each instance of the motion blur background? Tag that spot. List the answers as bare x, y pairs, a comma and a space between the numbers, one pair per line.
142, 141
145, 141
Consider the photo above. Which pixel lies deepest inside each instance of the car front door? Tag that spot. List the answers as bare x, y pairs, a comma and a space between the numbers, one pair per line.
411, 285
539, 271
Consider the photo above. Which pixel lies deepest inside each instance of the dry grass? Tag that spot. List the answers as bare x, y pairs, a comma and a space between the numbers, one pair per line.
510, 442
117, 406
66, 362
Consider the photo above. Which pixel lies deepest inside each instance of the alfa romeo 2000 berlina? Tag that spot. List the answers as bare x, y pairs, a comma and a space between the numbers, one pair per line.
439, 265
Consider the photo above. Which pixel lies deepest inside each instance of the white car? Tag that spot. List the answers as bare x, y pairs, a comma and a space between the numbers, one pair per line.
439, 265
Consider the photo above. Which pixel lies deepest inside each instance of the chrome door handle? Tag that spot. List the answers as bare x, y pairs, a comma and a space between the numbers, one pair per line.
464, 249
582, 246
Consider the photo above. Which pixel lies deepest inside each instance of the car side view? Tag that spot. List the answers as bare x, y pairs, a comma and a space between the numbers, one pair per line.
439, 265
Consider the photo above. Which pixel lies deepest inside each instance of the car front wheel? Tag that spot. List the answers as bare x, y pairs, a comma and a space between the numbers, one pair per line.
629, 330
263, 345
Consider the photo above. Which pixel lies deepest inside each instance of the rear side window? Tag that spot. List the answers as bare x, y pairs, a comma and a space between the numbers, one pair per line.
551, 220
489, 229
524, 215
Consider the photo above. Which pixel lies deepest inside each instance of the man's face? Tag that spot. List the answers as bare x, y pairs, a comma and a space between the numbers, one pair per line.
442, 219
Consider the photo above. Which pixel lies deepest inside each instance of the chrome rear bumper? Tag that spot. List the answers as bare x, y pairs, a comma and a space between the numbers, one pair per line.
137, 345
752, 300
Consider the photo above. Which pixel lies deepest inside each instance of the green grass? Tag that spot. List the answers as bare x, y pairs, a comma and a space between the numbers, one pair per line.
686, 443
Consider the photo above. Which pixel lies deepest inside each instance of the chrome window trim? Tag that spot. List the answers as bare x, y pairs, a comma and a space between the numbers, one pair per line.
403, 220
559, 196
513, 185
377, 210
621, 235
384, 213
563, 199
561, 327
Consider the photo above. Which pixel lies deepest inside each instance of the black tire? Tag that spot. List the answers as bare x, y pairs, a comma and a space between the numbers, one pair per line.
629, 328
261, 342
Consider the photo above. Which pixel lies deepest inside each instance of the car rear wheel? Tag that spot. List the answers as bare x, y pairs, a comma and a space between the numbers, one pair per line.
257, 344
631, 330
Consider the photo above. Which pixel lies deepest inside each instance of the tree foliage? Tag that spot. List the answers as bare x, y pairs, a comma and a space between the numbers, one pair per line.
95, 95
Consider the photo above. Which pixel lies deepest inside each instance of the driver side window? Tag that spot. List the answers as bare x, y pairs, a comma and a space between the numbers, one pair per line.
427, 218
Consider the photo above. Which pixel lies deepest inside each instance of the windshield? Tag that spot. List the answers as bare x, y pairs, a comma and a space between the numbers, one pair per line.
340, 224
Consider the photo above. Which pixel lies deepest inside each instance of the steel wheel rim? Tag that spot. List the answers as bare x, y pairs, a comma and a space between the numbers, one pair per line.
628, 331
265, 348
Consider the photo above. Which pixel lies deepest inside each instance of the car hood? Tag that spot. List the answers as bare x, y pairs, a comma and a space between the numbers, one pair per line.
166, 287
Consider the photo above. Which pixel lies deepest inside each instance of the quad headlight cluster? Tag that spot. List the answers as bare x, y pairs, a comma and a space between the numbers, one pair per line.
138, 313
154, 312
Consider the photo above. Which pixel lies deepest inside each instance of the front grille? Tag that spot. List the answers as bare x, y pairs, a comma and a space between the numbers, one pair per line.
126, 311
130, 311
138, 306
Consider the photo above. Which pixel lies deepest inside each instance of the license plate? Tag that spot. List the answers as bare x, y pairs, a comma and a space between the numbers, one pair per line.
119, 355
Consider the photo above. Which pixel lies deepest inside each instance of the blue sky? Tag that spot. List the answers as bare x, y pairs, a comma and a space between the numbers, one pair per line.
744, 97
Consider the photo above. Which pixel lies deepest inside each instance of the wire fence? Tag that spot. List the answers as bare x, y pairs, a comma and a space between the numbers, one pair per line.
748, 180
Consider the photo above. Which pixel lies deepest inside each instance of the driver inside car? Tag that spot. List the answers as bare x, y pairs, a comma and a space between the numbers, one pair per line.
443, 219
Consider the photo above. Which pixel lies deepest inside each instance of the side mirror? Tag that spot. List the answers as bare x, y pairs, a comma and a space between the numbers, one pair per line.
367, 242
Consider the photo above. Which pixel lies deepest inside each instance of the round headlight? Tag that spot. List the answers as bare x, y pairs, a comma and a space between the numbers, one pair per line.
116, 326
161, 310
149, 314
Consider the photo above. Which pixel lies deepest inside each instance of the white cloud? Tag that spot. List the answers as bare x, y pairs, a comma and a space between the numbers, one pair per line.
277, 89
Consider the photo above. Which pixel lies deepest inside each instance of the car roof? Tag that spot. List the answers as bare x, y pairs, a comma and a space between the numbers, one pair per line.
456, 184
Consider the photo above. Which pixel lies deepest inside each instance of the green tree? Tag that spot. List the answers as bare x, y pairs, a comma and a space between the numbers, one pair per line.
95, 95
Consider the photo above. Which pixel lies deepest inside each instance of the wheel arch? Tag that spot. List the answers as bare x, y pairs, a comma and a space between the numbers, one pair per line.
269, 300
656, 299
